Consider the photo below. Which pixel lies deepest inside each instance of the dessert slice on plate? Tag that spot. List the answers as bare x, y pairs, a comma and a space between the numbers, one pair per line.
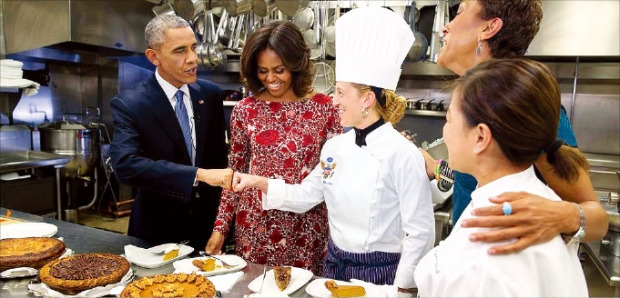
282, 275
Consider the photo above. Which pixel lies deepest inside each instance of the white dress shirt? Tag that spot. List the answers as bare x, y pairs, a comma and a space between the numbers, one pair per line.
459, 267
378, 197
171, 92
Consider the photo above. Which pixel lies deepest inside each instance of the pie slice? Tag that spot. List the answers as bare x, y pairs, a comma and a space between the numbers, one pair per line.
282, 275
344, 290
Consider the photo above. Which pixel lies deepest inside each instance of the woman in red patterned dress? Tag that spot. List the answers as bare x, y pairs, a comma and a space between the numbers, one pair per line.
276, 133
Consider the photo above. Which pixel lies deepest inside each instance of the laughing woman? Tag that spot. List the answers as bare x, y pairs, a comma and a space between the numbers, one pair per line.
373, 180
488, 29
278, 132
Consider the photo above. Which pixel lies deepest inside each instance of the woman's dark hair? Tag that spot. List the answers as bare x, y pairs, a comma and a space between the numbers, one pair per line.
519, 100
521, 21
287, 41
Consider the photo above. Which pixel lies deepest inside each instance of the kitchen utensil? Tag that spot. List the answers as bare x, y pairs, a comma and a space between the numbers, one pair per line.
417, 52
162, 250
440, 106
291, 7
184, 9
263, 8
263, 282
224, 264
304, 19
164, 8
431, 106
237, 7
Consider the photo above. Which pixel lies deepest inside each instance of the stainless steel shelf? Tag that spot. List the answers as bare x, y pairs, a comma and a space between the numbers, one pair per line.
439, 114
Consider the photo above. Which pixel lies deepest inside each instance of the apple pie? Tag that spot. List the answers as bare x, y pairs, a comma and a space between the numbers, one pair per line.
29, 252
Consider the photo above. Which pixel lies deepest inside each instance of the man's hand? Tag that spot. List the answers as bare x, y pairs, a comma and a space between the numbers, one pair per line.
216, 177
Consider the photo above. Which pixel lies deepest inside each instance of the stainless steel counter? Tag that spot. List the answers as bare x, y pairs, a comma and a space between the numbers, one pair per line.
82, 239
21, 160
605, 262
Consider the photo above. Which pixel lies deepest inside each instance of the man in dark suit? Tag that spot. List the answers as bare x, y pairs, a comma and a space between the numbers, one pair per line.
168, 130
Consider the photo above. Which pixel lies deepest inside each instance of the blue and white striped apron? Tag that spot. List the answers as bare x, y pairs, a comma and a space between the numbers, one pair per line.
375, 267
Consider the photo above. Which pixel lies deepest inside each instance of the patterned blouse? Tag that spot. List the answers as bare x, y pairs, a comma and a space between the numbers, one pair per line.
277, 140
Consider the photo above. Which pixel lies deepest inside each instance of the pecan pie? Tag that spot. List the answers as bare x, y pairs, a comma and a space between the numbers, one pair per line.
282, 275
29, 252
76, 273
170, 285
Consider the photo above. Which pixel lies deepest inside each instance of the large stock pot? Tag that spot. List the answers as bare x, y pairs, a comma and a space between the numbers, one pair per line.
74, 140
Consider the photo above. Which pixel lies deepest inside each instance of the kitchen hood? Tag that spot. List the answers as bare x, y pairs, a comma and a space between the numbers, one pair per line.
578, 29
115, 26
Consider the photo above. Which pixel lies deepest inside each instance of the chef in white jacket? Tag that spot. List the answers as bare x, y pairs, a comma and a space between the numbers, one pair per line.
371, 178
496, 128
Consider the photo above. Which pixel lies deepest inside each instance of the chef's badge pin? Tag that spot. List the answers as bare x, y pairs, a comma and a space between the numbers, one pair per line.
328, 167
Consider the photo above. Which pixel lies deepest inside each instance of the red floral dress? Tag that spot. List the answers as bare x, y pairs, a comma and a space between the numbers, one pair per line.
278, 140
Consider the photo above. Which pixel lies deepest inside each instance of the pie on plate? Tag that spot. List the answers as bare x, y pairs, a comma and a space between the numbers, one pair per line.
73, 274
170, 285
31, 252
282, 275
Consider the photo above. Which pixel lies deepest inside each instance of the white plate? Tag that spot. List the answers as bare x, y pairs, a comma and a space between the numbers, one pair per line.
317, 288
186, 265
145, 258
299, 277
28, 229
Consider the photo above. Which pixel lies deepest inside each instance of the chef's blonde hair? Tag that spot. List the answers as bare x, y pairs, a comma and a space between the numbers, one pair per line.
394, 108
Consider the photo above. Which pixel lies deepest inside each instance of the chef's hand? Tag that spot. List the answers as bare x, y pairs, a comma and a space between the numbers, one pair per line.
215, 177
242, 181
533, 220
214, 246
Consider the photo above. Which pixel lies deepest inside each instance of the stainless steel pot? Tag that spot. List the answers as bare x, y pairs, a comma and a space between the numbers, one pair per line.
74, 140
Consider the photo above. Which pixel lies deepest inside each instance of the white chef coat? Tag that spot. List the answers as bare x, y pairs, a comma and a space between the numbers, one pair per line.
378, 197
459, 267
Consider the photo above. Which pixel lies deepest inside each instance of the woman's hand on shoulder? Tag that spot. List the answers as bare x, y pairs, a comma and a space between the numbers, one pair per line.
534, 220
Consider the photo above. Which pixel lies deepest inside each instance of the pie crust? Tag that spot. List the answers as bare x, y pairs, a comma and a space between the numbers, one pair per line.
170, 285
29, 252
77, 273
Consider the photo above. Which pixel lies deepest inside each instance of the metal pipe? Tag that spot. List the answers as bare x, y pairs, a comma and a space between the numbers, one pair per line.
572, 110
95, 192
58, 196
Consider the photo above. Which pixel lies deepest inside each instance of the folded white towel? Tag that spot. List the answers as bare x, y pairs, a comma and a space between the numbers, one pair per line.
30, 87
11, 73
11, 63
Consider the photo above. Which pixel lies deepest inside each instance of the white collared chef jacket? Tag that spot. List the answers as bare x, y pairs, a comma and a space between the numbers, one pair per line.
378, 197
459, 267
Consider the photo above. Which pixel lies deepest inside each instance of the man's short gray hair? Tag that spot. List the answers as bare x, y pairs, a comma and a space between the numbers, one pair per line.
155, 29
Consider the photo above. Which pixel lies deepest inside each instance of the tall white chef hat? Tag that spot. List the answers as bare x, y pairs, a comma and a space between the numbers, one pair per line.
371, 44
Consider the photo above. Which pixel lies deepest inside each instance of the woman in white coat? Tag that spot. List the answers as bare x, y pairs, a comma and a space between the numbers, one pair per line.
372, 180
496, 128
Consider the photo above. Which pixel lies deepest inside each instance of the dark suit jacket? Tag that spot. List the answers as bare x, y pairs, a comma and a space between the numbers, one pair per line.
148, 152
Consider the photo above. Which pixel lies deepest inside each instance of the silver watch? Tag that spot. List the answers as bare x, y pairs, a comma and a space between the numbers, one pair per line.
581, 232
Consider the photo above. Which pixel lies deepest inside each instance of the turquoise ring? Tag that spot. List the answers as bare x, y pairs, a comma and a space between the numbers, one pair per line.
507, 208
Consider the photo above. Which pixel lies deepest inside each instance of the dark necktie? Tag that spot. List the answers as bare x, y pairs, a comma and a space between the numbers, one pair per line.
181, 112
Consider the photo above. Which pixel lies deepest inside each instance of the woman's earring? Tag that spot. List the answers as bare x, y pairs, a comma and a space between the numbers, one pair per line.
479, 48
364, 112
